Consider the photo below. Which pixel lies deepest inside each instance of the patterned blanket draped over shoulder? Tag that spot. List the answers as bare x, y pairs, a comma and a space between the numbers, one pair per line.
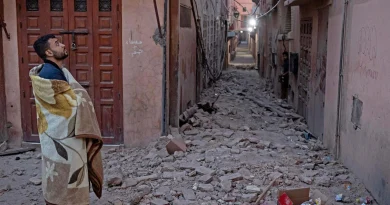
70, 140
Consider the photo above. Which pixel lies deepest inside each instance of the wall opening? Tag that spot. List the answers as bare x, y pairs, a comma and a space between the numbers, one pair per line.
185, 17
357, 109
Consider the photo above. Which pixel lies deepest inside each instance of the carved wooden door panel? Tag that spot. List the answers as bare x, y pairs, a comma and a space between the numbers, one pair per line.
33, 22
93, 58
107, 78
81, 56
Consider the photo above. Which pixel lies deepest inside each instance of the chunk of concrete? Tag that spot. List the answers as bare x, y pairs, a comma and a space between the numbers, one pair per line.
176, 145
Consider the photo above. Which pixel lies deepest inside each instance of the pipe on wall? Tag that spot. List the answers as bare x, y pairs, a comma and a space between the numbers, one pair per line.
164, 76
341, 70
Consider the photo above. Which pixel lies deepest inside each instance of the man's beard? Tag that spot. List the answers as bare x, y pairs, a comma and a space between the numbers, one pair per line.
60, 56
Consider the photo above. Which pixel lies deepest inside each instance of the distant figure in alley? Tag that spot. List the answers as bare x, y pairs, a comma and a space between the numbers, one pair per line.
68, 129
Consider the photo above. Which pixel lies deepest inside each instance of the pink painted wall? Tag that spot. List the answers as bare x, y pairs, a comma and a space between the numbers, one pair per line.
142, 72
332, 72
187, 62
366, 149
11, 71
245, 3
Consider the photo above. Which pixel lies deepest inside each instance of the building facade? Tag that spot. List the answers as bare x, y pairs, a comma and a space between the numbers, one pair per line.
356, 91
337, 75
119, 51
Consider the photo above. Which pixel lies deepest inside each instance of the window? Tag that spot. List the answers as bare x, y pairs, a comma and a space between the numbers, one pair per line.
56, 5
357, 109
244, 18
80, 5
104, 5
185, 17
32, 5
287, 25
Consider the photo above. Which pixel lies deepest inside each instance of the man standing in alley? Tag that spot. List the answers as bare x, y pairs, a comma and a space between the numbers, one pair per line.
68, 129
283, 78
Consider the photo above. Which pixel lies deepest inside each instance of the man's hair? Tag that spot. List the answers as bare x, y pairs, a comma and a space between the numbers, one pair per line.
42, 44
285, 53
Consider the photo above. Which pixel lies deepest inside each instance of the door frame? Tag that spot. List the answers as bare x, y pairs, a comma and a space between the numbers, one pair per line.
3, 113
117, 9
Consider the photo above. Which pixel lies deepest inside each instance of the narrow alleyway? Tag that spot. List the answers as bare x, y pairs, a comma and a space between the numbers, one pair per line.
232, 155
243, 56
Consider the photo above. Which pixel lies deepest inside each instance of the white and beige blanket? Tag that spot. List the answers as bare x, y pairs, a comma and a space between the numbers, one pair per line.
70, 140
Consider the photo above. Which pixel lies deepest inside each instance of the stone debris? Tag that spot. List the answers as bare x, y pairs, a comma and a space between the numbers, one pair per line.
114, 180
36, 181
324, 181
225, 152
115, 202
206, 187
226, 185
204, 170
253, 189
189, 194
306, 179
172, 175
249, 197
206, 179
176, 145
159, 202
231, 177
130, 183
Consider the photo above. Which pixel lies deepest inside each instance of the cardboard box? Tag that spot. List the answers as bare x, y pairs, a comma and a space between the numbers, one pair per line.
297, 196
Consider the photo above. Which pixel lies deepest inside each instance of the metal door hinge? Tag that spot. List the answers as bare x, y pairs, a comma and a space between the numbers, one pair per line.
119, 96
4, 26
22, 60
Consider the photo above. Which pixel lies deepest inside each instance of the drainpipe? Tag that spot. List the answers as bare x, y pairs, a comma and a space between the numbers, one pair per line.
164, 76
341, 75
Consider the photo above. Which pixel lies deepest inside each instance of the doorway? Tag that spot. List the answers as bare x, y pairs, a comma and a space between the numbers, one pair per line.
91, 32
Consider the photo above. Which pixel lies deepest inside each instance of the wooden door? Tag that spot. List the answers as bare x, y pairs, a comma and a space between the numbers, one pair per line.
107, 75
3, 117
94, 61
320, 73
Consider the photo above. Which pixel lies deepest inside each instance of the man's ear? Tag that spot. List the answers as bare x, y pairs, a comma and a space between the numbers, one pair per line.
49, 53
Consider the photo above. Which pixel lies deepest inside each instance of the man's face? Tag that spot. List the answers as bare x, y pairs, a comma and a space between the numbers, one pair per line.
56, 49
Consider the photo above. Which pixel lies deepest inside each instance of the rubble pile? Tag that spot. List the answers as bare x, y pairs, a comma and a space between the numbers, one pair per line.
229, 148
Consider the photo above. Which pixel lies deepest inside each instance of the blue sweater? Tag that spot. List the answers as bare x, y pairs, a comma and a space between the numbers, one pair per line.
51, 71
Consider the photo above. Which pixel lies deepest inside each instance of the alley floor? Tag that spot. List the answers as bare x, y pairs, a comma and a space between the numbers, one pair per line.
243, 56
232, 155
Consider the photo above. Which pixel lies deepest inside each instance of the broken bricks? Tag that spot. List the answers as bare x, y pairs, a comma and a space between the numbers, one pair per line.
176, 145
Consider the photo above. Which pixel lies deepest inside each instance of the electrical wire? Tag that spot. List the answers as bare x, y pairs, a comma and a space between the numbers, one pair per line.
227, 9
241, 5
270, 10
201, 45
212, 5
258, 4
